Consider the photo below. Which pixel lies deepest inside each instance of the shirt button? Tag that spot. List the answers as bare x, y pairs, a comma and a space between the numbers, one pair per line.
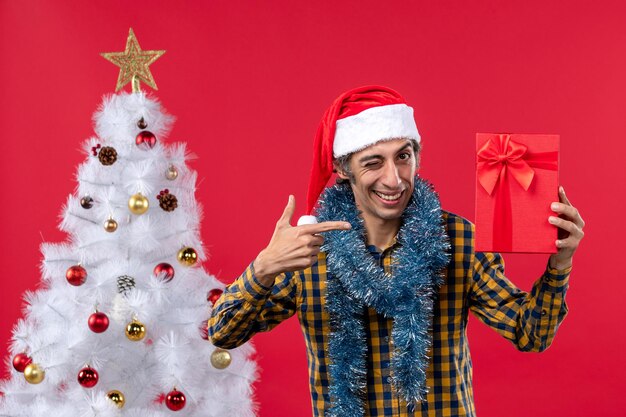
543, 312
388, 380
386, 339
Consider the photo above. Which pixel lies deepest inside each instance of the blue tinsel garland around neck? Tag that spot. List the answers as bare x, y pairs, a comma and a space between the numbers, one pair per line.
356, 280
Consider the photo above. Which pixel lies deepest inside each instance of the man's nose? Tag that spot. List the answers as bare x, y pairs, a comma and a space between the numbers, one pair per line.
391, 176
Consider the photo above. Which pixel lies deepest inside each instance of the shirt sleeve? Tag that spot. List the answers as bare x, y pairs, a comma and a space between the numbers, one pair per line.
247, 307
529, 320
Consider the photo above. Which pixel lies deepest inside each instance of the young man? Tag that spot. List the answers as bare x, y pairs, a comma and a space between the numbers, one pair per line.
383, 284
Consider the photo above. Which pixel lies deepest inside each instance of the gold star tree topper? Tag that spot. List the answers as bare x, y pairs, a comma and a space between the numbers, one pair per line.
134, 64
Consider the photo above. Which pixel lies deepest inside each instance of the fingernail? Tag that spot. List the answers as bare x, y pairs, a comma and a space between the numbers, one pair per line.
561, 190
347, 226
552, 219
555, 206
558, 243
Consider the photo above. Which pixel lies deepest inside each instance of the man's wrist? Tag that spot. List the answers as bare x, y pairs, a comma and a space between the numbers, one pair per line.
261, 272
559, 265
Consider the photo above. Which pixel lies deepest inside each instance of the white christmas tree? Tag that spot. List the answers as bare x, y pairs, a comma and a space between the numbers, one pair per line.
119, 325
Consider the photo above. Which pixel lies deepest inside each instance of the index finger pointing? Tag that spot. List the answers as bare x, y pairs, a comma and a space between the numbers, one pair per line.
288, 212
325, 227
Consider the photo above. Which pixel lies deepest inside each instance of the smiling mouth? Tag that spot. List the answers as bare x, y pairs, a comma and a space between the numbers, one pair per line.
389, 197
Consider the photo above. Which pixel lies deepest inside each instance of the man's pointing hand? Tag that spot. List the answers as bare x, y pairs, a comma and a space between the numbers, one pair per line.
292, 248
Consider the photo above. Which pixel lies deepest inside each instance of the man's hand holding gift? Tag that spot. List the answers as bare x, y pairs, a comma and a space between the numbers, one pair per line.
570, 233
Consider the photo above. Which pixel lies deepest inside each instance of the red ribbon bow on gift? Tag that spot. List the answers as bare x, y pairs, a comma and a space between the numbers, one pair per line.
501, 156
497, 160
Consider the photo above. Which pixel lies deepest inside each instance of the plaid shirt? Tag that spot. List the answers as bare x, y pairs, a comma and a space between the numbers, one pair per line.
475, 282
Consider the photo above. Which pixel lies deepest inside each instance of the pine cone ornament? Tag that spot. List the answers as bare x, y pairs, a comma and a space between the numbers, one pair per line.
107, 155
167, 201
125, 283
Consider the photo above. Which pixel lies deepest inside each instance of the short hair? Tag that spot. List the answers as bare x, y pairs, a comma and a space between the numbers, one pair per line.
343, 163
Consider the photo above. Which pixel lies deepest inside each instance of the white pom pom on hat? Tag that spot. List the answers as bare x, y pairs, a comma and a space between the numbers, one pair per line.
307, 219
355, 120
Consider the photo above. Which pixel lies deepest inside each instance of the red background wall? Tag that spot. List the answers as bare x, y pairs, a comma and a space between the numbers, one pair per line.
248, 82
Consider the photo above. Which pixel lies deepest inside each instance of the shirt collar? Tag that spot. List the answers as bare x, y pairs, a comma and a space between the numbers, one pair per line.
373, 249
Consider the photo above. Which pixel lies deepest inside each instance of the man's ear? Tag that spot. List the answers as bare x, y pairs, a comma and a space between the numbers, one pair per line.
340, 172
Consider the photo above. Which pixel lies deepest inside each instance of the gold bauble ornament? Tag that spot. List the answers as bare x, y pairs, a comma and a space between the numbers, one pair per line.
33, 373
187, 256
220, 358
117, 397
171, 173
138, 204
135, 331
110, 225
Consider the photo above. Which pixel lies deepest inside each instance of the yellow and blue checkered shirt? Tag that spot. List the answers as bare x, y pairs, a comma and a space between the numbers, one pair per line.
475, 282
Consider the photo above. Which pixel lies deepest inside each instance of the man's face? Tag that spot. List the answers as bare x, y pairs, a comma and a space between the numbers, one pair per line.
383, 179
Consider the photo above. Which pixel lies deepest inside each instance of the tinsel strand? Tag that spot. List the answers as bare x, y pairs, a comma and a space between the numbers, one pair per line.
356, 281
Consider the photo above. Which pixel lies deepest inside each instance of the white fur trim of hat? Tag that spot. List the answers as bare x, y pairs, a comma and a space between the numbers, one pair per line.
370, 126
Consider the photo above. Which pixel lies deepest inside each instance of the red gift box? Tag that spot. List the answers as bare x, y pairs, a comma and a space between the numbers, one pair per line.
517, 177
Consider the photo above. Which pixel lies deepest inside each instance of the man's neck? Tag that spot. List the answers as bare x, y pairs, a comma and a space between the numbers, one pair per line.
381, 233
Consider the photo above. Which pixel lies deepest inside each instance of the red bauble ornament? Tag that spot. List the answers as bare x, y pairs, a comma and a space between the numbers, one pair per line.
145, 139
165, 270
175, 400
88, 377
213, 295
98, 322
76, 275
20, 361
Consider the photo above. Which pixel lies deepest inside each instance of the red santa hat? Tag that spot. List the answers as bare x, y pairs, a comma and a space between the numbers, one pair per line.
357, 119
